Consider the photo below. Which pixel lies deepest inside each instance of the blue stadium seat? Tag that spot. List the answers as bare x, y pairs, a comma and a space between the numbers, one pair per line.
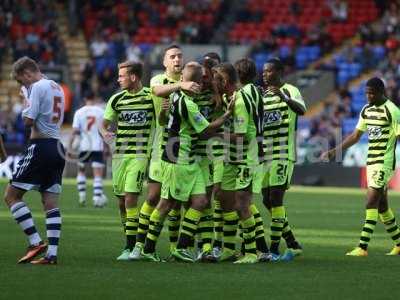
348, 125
303, 123
284, 51
356, 106
343, 66
339, 58
301, 59
357, 51
314, 52
379, 52
355, 69
145, 47
260, 59
342, 77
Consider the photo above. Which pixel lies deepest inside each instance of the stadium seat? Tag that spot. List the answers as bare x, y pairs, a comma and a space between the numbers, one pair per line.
260, 59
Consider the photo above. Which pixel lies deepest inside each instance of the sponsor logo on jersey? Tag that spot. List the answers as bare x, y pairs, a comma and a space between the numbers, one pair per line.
272, 118
374, 132
137, 117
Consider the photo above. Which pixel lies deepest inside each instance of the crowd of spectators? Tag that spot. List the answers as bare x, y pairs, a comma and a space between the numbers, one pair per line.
119, 30
377, 49
122, 29
305, 32
29, 28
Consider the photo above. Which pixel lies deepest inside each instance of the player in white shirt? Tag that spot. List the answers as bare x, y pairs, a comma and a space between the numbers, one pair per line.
86, 124
42, 164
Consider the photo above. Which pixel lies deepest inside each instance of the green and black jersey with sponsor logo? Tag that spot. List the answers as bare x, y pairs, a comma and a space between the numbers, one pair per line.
135, 118
382, 125
160, 134
280, 125
185, 122
247, 121
206, 107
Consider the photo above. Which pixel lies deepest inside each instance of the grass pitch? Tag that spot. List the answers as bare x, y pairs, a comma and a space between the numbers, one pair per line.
327, 221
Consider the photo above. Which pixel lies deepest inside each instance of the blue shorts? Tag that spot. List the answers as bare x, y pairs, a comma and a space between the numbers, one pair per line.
40, 167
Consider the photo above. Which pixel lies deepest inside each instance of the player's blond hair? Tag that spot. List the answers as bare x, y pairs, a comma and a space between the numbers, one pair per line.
22, 64
192, 72
133, 68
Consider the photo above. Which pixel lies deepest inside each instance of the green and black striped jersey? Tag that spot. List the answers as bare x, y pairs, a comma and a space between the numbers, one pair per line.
160, 135
185, 122
280, 125
247, 121
135, 118
218, 143
206, 107
382, 124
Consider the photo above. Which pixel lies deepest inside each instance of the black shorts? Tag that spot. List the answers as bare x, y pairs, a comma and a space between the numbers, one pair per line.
40, 167
91, 157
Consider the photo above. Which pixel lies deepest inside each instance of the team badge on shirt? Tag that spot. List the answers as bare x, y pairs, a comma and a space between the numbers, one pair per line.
198, 118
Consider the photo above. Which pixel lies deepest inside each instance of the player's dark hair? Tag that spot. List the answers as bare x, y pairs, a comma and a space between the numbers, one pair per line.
376, 84
229, 70
133, 68
278, 64
212, 55
22, 64
246, 70
173, 46
89, 95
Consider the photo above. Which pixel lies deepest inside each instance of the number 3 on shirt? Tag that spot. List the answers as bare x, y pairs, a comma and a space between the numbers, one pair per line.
56, 109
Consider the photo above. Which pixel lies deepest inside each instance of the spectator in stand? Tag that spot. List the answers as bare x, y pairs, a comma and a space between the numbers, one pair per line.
33, 31
391, 19
116, 46
107, 83
288, 29
317, 35
189, 33
266, 45
339, 10
98, 47
175, 12
87, 73
295, 8
322, 132
133, 52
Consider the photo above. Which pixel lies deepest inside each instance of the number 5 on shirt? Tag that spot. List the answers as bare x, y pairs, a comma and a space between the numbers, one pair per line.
56, 109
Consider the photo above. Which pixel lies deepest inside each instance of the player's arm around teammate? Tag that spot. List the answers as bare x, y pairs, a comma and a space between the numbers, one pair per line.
162, 85
182, 178
380, 118
237, 175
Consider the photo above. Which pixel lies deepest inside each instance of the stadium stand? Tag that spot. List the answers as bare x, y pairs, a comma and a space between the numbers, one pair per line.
300, 32
376, 48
